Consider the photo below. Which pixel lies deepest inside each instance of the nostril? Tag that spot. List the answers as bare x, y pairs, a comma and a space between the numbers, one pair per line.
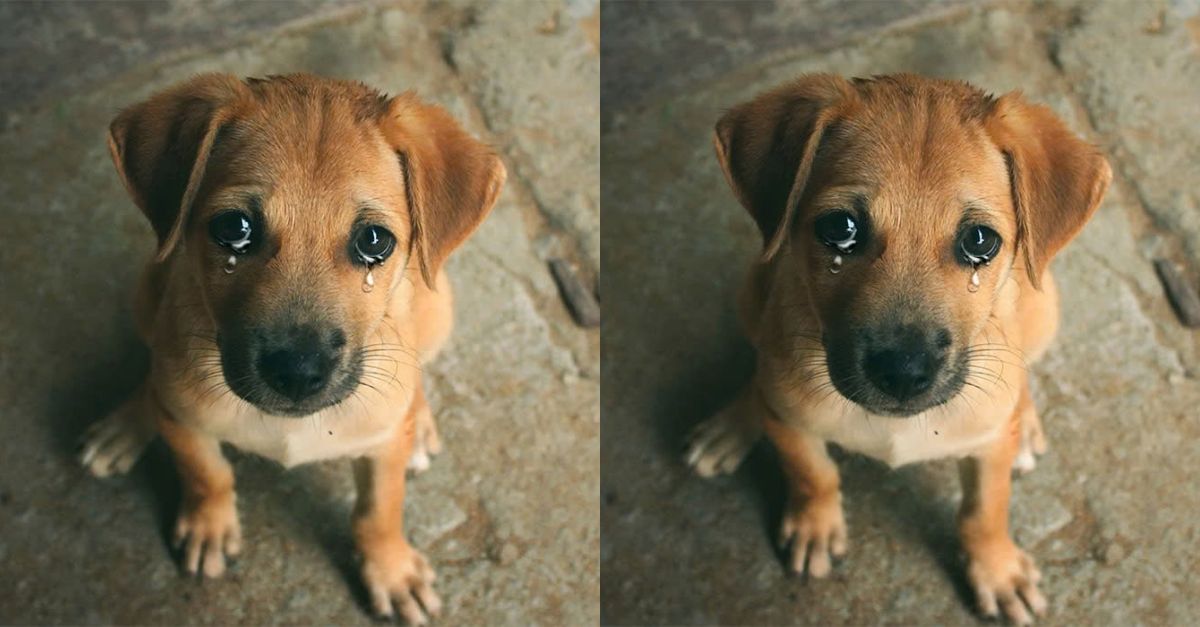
337, 340
294, 374
943, 339
899, 374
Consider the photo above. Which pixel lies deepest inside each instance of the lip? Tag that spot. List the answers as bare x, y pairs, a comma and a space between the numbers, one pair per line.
900, 411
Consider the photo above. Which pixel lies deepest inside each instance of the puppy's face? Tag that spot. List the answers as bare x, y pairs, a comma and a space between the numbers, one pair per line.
301, 204
905, 236
307, 203
900, 206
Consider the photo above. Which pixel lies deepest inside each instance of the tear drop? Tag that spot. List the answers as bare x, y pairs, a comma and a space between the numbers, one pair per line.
836, 266
368, 281
230, 264
974, 285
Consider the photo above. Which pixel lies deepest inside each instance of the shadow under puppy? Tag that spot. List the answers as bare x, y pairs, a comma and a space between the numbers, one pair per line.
298, 288
908, 226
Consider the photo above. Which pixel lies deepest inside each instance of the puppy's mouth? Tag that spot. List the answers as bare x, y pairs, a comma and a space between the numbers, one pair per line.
292, 384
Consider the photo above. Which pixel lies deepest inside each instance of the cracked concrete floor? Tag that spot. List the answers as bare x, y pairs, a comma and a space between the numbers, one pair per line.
508, 514
1110, 513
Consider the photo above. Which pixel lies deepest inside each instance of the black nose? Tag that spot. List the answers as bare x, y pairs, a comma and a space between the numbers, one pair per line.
900, 374
300, 366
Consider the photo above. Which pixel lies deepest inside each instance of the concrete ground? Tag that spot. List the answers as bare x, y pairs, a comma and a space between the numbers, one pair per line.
508, 515
1111, 511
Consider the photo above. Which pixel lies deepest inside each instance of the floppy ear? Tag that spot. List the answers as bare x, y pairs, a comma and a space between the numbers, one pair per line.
452, 180
1057, 179
766, 148
161, 146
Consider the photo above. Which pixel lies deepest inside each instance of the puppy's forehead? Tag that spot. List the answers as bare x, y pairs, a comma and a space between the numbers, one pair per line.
308, 149
905, 149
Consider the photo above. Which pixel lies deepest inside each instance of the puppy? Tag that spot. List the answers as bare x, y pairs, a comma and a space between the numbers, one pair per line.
908, 225
298, 288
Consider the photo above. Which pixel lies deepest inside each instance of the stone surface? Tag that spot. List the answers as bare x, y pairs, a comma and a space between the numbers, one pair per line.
655, 49
1109, 512
555, 154
508, 514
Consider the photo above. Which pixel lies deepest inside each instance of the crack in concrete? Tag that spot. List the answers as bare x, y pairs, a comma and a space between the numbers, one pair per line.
1142, 300
1123, 178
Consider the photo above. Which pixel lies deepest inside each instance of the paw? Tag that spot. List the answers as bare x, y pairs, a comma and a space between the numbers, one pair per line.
718, 445
816, 533
207, 532
1033, 444
113, 445
426, 443
399, 579
1005, 579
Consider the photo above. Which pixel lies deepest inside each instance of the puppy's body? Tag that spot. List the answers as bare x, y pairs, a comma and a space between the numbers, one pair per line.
303, 224
904, 288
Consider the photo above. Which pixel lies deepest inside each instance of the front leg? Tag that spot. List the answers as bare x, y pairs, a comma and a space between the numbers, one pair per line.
1002, 575
396, 575
813, 523
207, 528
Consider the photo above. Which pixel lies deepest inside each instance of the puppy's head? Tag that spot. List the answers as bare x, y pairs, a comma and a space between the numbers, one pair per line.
284, 195
901, 206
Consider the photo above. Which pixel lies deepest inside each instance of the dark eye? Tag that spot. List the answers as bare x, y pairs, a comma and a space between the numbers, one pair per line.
838, 230
232, 229
373, 244
978, 244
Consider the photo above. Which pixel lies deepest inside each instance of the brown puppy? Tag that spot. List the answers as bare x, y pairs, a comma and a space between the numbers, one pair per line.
298, 288
908, 225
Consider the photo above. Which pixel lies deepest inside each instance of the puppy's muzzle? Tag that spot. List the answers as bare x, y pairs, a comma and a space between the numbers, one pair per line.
299, 362
897, 369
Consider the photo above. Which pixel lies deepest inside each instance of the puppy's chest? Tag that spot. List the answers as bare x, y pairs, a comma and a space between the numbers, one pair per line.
900, 441
329, 434
952, 430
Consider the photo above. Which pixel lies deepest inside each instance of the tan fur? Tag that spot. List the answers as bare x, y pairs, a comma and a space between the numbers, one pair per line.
921, 151
318, 153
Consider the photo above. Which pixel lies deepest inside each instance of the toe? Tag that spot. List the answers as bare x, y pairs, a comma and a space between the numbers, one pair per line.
818, 561
233, 542
410, 610
419, 461
191, 558
1033, 597
428, 598
214, 559
987, 601
799, 553
381, 601
1014, 609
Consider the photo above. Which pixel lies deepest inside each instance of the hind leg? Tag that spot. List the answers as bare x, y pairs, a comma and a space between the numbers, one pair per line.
433, 313
426, 441
1033, 439
113, 444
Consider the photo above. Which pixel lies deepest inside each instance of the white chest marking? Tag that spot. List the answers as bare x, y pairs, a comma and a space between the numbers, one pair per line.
327, 434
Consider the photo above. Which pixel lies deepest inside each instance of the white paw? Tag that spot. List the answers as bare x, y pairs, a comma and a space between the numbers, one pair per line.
1025, 462
113, 445
426, 443
718, 445
1033, 444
